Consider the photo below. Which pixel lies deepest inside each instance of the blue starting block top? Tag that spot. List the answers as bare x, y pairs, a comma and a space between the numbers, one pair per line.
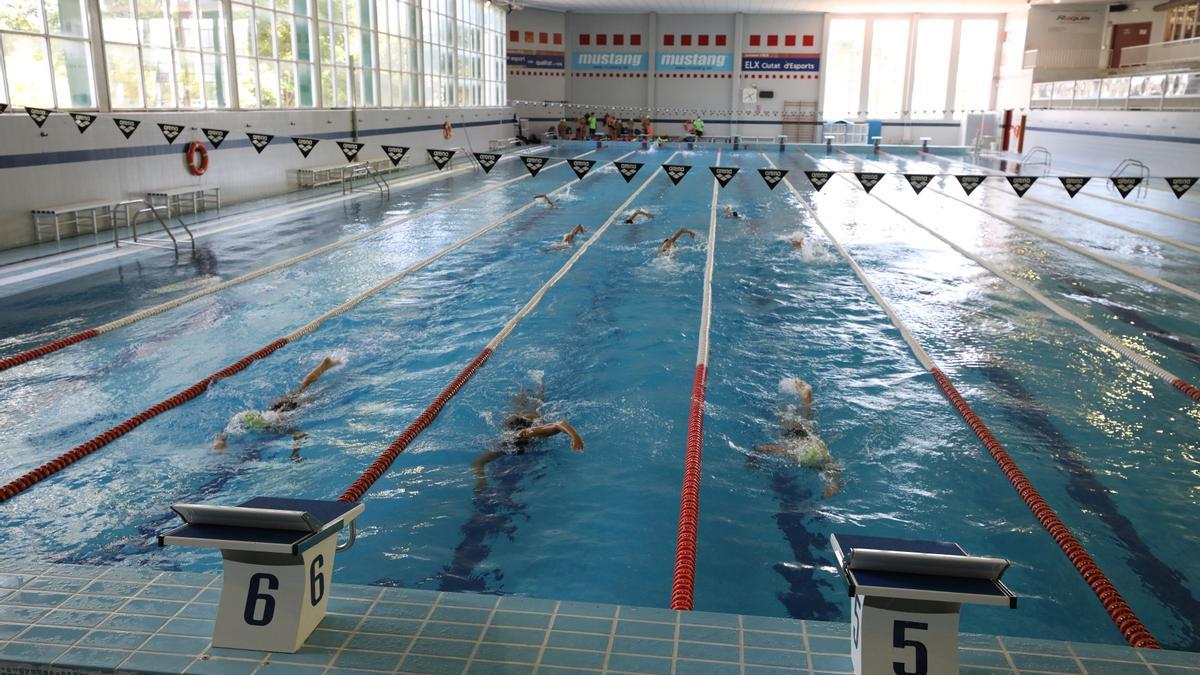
920, 570
263, 524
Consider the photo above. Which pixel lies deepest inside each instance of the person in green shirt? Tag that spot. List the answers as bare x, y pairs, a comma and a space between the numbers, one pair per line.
698, 127
591, 122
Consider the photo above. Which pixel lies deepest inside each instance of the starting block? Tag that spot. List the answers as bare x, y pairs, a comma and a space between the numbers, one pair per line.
829, 145
278, 560
875, 141
906, 600
782, 142
925, 143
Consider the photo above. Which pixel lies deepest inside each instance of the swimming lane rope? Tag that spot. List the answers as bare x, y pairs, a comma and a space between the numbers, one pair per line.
64, 460
38, 352
684, 584
384, 461
1105, 338
1118, 609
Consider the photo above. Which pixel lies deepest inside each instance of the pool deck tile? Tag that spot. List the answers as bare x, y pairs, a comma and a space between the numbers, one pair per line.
76, 618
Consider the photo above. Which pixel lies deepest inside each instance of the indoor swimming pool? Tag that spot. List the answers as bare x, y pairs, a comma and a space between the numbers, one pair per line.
1112, 448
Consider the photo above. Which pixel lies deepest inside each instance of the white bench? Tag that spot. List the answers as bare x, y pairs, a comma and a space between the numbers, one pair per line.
73, 215
196, 198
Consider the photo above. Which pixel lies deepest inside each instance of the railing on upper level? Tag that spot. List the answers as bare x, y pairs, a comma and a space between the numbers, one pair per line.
1155, 91
1066, 59
1175, 52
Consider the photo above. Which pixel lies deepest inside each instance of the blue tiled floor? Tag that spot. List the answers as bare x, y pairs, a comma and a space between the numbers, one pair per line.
102, 619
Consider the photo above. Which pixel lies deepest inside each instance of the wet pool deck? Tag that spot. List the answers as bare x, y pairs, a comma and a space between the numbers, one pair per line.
69, 618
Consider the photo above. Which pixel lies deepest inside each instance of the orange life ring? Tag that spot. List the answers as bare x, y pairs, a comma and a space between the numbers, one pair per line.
194, 168
447, 130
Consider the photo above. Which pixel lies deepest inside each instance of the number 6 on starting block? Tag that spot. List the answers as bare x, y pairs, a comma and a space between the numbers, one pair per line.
278, 557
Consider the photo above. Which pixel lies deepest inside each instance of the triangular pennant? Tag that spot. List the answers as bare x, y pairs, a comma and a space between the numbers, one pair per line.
1126, 184
127, 127
868, 180
215, 136
723, 174
260, 141
1021, 184
395, 153
676, 172
305, 145
1073, 184
349, 149
83, 121
918, 181
534, 164
628, 169
772, 177
1180, 185
441, 158
818, 178
3, 107
38, 115
581, 167
170, 131
970, 182
486, 160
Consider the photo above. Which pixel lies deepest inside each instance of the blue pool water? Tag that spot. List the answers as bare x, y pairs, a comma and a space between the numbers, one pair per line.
1116, 452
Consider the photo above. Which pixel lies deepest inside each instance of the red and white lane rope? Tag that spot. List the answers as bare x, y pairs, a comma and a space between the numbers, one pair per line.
1118, 609
37, 352
684, 584
1082, 214
383, 462
24, 482
1104, 337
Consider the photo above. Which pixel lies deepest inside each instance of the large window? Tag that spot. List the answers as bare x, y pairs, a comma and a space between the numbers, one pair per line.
165, 53
843, 76
889, 48
437, 31
1183, 22
399, 76
273, 40
976, 65
348, 65
46, 54
931, 68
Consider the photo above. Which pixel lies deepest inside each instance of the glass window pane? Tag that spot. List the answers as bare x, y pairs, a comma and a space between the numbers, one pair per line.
305, 89
327, 80
243, 30
22, 15
212, 28
889, 56
263, 32
185, 26
28, 70
124, 76
268, 84
287, 85
216, 84
191, 79
304, 48
158, 78
931, 68
72, 61
64, 17
117, 21
247, 76
283, 36
843, 79
976, 65
152, 21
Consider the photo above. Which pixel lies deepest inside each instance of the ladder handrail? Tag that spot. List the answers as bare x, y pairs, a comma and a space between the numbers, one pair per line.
1141, 169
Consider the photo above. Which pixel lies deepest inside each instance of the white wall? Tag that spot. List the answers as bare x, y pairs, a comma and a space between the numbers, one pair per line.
1168, 142
536, 84
56, 165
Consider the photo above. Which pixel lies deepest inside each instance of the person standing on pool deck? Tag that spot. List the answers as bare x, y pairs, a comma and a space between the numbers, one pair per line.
800, 442
522, 429
591, 124
698, 127
668, 245
272, 419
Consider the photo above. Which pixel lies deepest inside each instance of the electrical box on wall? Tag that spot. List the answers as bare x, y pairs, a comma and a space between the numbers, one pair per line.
766, 94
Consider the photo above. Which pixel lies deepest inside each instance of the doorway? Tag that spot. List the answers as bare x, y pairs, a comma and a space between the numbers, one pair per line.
1127, 35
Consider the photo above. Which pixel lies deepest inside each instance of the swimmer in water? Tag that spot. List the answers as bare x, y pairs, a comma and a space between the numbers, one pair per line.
272, 419
800, 442
549, 202
521, 430
569, 238
730, 213
668, 245
796, 242
632, 217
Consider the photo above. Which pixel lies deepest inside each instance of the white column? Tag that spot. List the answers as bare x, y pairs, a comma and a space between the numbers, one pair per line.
952, 80
864, 89
99, 60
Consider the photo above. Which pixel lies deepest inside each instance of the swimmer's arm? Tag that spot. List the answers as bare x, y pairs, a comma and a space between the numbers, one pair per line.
562, 427
219, 441
316, 373
479, 466
776, 450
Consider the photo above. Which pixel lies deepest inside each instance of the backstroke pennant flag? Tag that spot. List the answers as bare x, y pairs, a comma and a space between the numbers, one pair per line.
83, 121
305, 145
534, 164
818, 178
1021, 184
349, 149
1073, 184
1126, 184
868, 180
395, 153
676, 172
581, 167
127, 127
170, 131
1180, 185
260, 141
441, 158
918, 181
970, 182
3, 107
38, 115
772, 177
486, 160
215, 136
723, 174
628, 169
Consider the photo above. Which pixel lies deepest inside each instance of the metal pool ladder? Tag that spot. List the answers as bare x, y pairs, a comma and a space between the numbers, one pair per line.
364, 170
1138, 168
1038, 157
147, 207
